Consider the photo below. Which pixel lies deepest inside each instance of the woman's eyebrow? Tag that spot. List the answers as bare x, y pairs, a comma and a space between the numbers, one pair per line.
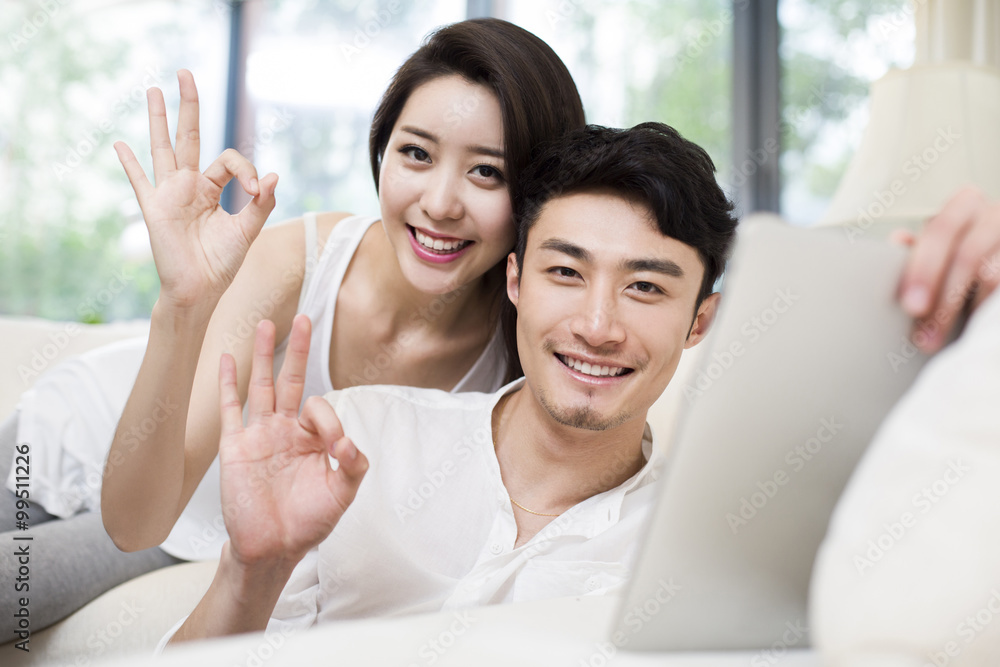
429, 136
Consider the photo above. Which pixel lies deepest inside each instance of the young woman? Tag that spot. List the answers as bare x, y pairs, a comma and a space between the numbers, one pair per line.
409, 298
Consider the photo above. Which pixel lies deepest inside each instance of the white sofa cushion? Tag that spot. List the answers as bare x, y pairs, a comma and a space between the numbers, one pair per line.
909, 572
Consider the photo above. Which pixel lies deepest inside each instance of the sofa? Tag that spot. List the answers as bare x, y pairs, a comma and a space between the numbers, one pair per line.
133, 617
130, 619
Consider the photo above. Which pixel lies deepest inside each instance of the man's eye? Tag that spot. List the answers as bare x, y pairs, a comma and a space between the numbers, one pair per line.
415, 152
647, 288
564, 272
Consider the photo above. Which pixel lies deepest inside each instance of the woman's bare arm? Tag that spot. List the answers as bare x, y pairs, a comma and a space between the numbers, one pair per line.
198, 249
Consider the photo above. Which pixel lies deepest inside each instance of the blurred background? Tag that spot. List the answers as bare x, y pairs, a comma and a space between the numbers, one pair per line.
775, 90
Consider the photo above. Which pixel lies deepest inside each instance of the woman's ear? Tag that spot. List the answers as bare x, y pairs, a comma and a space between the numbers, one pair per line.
703, 320
513, 279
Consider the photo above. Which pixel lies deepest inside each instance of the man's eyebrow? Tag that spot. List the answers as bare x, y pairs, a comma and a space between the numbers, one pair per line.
656, 265
479, 150
566, 248
665, 266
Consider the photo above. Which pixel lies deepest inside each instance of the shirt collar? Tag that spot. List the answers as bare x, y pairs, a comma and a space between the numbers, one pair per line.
599, 512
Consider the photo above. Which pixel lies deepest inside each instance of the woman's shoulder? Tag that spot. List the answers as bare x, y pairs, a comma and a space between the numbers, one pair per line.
286, 240
293, 229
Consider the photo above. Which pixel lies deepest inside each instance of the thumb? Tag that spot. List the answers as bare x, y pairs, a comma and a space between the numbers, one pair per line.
352, 466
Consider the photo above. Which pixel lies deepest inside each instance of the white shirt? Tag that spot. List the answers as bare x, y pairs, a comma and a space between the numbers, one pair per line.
432, 527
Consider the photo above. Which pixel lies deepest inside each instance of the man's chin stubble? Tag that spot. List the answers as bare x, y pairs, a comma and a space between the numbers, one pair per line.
585, 418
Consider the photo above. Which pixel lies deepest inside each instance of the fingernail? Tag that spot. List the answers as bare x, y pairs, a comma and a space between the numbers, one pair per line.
253, 185
916, 300
352, 451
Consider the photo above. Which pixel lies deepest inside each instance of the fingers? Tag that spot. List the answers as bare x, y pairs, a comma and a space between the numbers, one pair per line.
230, 408
260, 396
231, 163
136, 176
319, 417
925, 273
903, 237
188, 137
963, 277
292, 378
159, 135
253, 216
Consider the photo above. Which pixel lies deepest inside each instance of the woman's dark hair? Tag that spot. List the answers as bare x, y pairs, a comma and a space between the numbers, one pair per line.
650, 164
537, 96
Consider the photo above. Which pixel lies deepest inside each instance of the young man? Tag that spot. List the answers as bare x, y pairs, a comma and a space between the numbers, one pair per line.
539, 490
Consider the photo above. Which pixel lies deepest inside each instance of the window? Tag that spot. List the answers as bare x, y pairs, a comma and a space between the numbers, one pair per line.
73, 76
830, 54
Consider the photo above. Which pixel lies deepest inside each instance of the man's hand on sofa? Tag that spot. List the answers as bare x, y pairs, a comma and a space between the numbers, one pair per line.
954, 266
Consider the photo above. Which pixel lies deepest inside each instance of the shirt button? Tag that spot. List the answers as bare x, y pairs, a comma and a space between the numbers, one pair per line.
496, 548
592, 584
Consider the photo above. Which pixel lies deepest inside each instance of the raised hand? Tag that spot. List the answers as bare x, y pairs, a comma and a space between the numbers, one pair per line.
280, 494
955, 264
197, 246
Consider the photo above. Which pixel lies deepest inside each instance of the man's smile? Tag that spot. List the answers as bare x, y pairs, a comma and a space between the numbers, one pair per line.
593, 368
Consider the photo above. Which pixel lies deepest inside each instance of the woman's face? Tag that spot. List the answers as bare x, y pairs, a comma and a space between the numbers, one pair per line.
443, 191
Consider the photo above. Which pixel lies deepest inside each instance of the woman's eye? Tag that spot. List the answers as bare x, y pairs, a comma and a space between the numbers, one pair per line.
487, 171
415, 152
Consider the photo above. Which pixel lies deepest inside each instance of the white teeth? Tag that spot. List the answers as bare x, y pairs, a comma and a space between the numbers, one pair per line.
587, 369
438, 244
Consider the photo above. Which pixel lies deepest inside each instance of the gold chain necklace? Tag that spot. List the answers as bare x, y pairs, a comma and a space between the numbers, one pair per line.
531, 511
496, 429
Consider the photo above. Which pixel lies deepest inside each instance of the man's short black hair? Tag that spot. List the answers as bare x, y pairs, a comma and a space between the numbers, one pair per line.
650, 164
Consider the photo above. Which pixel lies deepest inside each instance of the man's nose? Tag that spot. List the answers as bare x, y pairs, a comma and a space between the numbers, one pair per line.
598, 323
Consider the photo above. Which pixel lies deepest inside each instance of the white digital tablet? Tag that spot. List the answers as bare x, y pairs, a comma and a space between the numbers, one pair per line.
808, 354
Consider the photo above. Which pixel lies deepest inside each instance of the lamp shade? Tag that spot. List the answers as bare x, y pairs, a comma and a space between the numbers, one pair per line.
933, 128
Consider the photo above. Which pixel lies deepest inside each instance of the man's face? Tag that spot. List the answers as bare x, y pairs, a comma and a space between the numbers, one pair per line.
604, 306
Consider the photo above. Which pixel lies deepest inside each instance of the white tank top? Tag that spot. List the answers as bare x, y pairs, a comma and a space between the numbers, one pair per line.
318, 299
200, 531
